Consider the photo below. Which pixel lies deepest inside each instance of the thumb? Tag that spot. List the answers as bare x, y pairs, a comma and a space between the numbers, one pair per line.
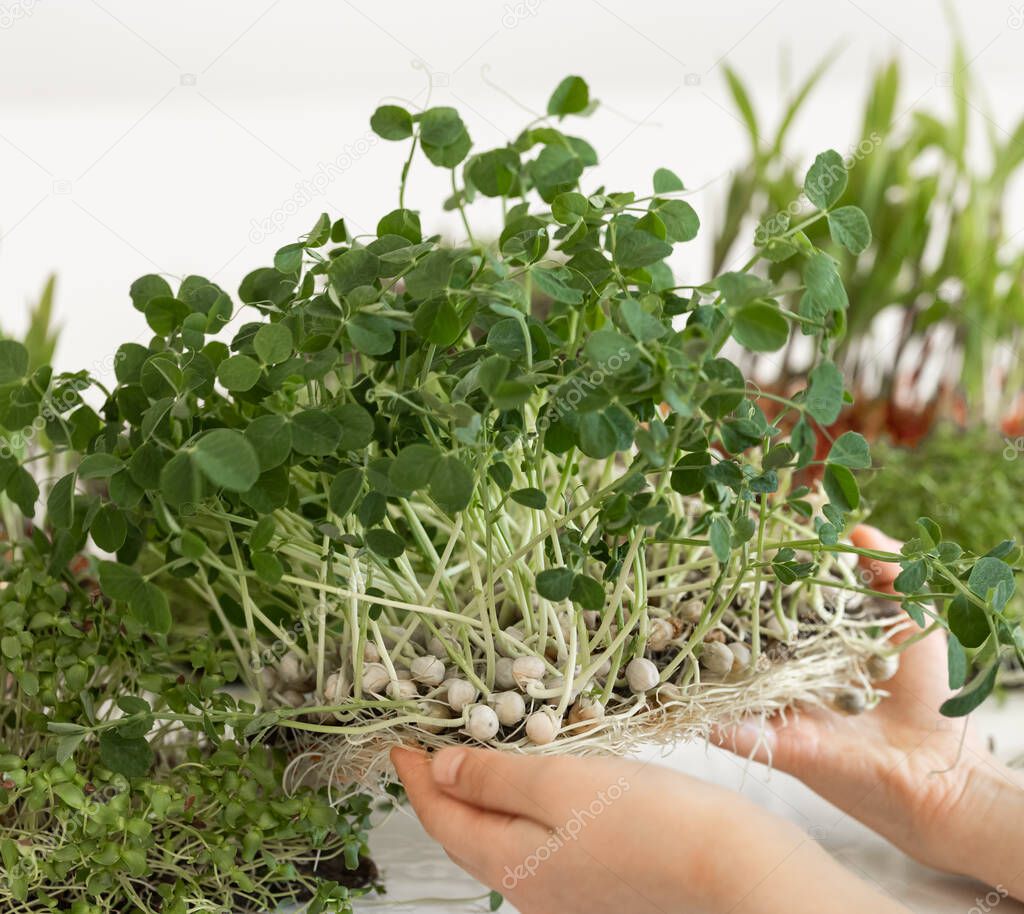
881, 574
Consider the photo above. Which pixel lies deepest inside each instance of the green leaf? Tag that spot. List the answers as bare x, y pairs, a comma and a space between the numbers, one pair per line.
13, 361
598, 436
850, 227
370, 334
851, 450
358, 267
271, 438
761, 328
911, 579
530, 498
841, 487
587, 592
443, 136
494, 901
666, 181
402, 222
643, 325
109, 529
720, 537
22, 489
494, 173
688, 475
391, 122
146, 288
414, 466
181, 481
721, 373
973, 694
437, 321
239, 373
99, 466
956, 659
569, 208
119, 582
553, 282
826, 179
609, 351
635, 248
356, 426
131, 757
273, 343
60, 505
555, 584
384, 543
440, 126
71, 794
315, 433
289, 258
825, 393
227, 459
267, 566
451, 484
681, 220
571, 96
989, 574
824, 287
149, 606
345, 489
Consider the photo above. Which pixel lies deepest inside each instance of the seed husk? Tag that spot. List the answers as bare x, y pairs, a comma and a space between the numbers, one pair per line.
427, 670
542, 727
460, 693
526, 670
510, 707
375, 678
851, 701
882, 667
716, 658
641, 674
482, 723
503, 677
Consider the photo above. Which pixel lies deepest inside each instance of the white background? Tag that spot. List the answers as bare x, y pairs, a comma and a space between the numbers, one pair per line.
143, 137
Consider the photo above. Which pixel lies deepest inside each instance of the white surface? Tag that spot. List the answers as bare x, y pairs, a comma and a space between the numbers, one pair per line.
417, 872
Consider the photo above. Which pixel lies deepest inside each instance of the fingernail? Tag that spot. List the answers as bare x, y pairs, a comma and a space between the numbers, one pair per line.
446, 765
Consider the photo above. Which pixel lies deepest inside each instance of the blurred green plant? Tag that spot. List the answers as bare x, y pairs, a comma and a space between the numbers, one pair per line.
932, 479
40, 338
934, 194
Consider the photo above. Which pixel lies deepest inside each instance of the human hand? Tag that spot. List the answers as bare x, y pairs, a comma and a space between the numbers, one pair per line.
573, 835
925, 782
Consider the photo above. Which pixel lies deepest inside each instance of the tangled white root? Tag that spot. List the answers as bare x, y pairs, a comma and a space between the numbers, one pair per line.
825, 666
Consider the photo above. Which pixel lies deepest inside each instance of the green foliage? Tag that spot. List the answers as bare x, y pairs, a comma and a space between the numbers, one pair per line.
102, 812
541, 401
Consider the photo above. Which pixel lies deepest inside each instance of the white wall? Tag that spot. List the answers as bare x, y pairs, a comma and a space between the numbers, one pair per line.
139, 137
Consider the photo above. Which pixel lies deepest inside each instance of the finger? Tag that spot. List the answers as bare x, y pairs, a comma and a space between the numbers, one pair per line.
483, 840
784, 745
535, 788
882, 573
